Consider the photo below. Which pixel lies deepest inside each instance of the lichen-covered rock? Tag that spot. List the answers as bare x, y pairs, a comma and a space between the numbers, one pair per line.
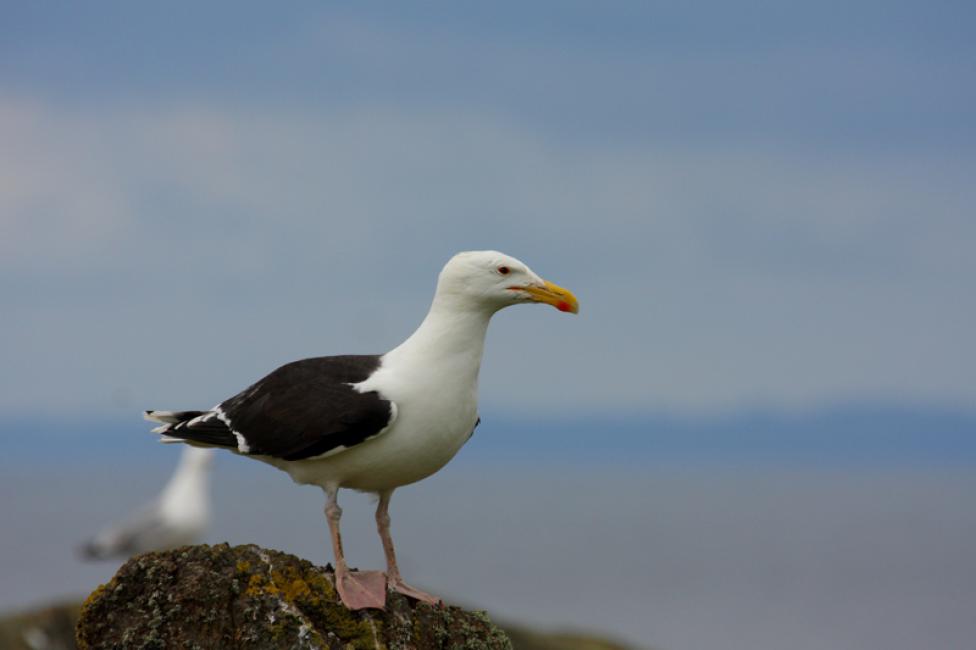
249, 597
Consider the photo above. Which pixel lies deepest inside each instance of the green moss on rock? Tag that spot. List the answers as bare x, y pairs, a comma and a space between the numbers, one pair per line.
248, 597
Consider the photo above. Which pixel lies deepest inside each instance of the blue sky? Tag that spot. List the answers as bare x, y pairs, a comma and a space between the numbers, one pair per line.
760, 205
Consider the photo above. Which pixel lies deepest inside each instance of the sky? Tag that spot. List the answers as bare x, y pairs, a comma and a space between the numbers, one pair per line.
760, 205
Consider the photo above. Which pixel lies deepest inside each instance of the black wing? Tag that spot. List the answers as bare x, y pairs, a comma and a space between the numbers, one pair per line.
303, 409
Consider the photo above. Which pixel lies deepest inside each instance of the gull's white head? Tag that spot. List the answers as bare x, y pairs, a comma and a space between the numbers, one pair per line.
493, 280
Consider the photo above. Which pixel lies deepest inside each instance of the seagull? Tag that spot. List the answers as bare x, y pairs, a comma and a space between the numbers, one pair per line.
177, 517
373, 423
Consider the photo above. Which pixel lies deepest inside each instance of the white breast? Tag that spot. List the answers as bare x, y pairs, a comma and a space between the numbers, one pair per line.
432, 377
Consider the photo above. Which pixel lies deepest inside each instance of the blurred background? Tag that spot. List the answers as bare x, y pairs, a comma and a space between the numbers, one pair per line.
760, 432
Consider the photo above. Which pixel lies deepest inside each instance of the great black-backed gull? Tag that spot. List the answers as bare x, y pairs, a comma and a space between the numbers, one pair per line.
178, 516
375, 422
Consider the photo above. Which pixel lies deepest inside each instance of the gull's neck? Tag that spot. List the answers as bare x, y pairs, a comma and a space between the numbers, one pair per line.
451, 335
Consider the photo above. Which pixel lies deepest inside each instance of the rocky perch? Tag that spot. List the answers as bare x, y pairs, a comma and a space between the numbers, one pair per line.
249, 597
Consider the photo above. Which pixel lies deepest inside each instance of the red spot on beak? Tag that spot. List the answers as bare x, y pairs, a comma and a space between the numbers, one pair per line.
563, 306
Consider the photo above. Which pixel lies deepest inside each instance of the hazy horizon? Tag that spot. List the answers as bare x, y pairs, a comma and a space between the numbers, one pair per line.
852, 434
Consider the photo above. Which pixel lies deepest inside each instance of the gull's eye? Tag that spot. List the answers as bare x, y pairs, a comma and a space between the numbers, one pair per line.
504, 270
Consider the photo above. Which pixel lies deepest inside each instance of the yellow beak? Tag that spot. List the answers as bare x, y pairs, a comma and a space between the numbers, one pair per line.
553, 294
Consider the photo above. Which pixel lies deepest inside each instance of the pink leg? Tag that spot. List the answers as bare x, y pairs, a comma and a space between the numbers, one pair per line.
357, 589
392, 570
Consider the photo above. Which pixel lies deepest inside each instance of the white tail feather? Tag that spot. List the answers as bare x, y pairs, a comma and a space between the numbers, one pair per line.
163, 417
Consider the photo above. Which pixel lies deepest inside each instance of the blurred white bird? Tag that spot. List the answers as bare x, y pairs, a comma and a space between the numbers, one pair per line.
178, 516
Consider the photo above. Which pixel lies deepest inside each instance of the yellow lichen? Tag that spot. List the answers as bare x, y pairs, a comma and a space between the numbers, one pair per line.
320, 580
296, 589
95, 595
256, 586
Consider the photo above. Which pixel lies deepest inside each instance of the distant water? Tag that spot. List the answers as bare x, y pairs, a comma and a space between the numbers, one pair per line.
685, 555
858, 434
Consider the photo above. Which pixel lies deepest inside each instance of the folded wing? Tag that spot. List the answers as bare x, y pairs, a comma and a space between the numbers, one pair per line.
303, 409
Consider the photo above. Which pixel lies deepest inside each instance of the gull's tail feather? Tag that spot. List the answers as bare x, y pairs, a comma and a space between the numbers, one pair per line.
200, 428
171, 417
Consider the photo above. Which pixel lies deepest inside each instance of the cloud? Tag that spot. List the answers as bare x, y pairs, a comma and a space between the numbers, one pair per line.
59, 206
176, 252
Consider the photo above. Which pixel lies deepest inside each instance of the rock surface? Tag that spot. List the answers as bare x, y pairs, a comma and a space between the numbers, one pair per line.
52, 627
248, 597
